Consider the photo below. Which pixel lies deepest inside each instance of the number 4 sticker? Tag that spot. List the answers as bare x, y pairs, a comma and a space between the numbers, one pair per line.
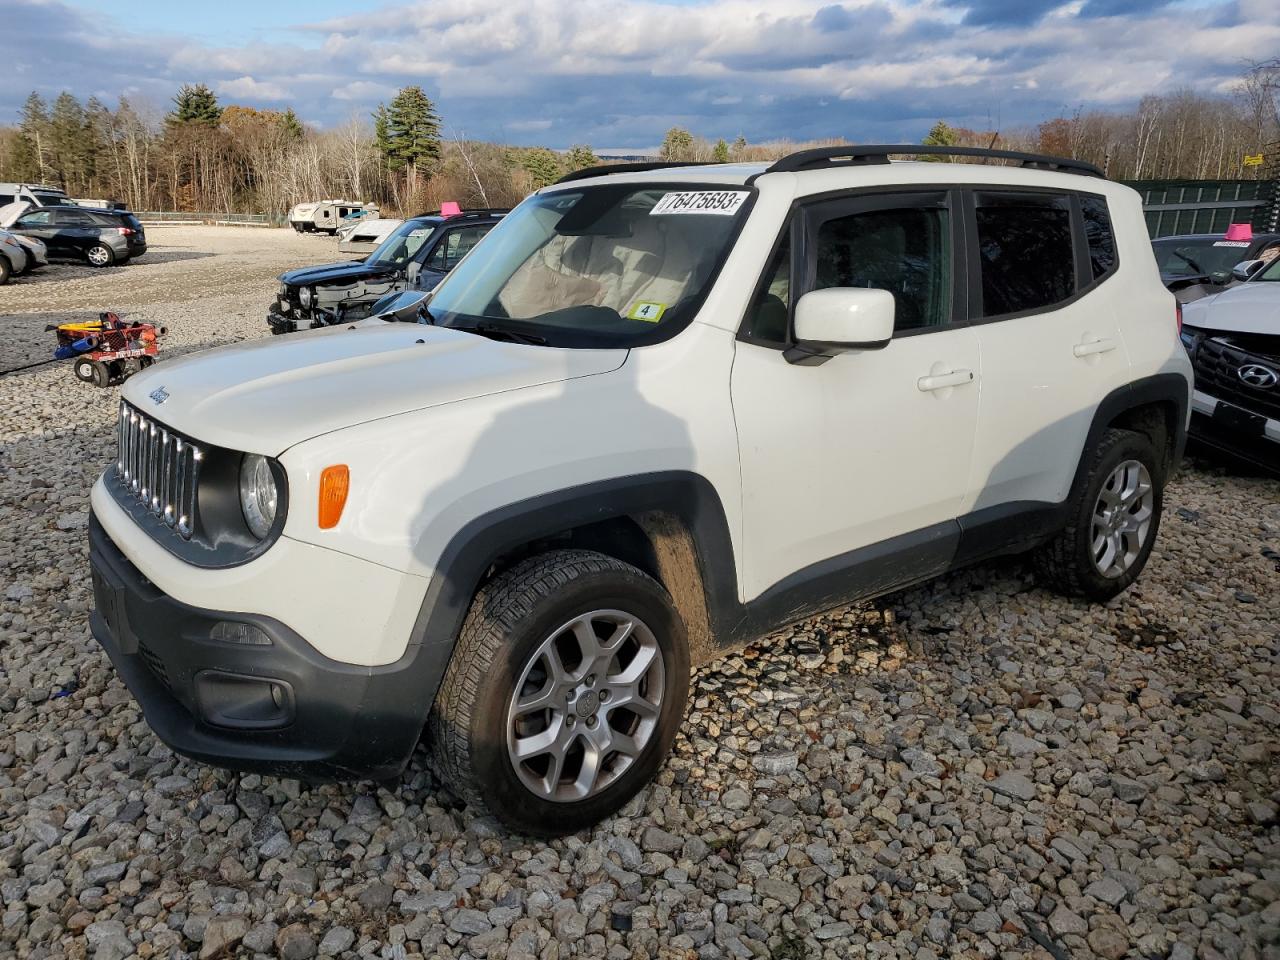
649, 311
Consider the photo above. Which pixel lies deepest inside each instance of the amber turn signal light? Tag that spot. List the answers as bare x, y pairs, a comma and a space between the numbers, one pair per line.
335, 481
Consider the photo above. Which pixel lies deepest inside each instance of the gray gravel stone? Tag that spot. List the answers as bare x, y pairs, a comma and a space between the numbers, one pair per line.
1014, 785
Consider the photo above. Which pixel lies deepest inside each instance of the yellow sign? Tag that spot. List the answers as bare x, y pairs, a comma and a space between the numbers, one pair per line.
1253, 159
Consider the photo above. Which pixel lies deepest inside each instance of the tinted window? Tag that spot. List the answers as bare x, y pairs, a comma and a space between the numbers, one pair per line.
767, 319
1097, 230
74, 217
37, 219
5, 198
906, 251
1025, 252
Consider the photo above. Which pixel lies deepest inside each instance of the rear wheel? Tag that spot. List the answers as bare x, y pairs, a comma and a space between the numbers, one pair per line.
100, 255
83, 368
1112, 521
101, 374
564, 693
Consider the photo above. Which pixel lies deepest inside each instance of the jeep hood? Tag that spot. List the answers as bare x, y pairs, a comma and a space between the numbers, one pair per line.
264, 396
348, 271
1245, 308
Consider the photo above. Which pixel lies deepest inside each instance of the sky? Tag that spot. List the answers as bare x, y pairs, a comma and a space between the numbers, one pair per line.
616, 74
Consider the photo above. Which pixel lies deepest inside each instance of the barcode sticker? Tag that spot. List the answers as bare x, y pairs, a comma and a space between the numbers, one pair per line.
725, 203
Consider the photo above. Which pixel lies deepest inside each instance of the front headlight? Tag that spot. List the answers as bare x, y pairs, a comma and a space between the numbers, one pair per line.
306, 296
258, 494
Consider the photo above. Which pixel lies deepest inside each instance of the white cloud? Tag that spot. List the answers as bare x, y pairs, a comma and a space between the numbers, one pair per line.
622, 71
250, 89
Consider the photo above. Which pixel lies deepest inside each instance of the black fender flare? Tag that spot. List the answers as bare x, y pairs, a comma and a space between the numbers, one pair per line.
472, 551
1160, 388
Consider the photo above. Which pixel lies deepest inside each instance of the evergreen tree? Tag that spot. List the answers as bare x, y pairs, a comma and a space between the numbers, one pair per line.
542, 165
195, 104
407, 132
34, 145
940, 135
721, 152
291, 125
677, 145
71, 143
579, 156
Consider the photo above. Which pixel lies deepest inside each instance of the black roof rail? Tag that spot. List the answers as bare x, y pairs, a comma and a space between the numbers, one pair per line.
604, 169
467, 212
859, 154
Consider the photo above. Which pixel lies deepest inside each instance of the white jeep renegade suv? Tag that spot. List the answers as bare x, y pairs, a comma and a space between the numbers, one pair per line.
658, 413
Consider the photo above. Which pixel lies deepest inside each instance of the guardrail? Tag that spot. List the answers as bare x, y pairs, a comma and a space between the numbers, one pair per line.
162, 217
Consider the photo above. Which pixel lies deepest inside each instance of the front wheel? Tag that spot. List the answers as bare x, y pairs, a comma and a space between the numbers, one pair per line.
1112, 521
83, 368
564, 693
100, 255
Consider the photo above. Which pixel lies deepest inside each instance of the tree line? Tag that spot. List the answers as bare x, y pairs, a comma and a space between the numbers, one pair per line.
202, 155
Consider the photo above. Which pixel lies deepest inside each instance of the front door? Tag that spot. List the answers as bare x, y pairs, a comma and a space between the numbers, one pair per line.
39, 224
869, 451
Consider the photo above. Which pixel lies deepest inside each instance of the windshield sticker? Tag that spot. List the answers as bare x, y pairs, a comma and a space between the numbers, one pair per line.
722, 202
1231, 243
650, 311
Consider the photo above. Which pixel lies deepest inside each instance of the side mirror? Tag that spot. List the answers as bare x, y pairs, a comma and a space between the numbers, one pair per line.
1247, 268
839, 319
401, 305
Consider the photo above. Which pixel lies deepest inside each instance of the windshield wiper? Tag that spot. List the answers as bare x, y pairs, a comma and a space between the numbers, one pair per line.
495, 332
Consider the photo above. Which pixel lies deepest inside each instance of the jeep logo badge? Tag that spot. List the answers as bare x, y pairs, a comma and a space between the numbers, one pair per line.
160, 394
1258, 376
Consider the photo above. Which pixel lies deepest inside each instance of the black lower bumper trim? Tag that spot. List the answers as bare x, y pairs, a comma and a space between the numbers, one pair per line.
338, 721
1258, 451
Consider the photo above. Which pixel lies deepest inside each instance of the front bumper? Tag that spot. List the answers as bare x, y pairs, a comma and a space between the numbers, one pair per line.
277, 707
1236, 431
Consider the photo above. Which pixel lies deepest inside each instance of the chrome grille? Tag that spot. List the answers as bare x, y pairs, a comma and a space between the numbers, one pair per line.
159, 468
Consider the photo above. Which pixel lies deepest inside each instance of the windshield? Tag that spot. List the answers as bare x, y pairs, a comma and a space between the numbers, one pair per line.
399, 248
1204, 257
609, 265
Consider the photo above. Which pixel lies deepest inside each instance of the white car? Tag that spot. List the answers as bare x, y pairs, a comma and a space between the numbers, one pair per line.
657, 413
1233, 338
14, 257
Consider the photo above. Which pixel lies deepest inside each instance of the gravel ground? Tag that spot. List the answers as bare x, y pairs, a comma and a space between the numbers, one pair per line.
974, 768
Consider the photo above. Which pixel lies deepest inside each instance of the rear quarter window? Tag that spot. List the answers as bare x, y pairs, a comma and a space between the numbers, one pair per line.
1099, 236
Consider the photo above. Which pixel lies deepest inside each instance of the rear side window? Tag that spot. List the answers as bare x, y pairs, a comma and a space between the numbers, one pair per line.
1025, 252
1097, 231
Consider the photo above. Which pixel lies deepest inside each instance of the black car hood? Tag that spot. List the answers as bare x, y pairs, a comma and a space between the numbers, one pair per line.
344, 272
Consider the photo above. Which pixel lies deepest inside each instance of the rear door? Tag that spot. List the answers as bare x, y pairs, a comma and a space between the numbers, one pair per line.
1041, 294
76, 230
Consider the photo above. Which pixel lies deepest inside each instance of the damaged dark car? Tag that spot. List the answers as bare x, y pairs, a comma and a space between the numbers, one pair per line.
417, 256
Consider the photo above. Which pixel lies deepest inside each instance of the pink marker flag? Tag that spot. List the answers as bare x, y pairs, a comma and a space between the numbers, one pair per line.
450, 208
1240, 231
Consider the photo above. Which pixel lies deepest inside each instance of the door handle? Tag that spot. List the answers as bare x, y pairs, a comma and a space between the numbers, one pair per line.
1090, 347
939, 381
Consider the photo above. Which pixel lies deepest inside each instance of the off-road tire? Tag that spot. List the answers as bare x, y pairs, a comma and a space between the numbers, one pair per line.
1065, 564
508, 620
83, 369
107, 259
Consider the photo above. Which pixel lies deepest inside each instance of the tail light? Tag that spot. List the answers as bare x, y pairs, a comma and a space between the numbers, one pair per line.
1177, 307
126, 231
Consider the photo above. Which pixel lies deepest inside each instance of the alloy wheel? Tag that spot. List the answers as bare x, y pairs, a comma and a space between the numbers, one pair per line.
586, 706
1122, 519
99, 256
